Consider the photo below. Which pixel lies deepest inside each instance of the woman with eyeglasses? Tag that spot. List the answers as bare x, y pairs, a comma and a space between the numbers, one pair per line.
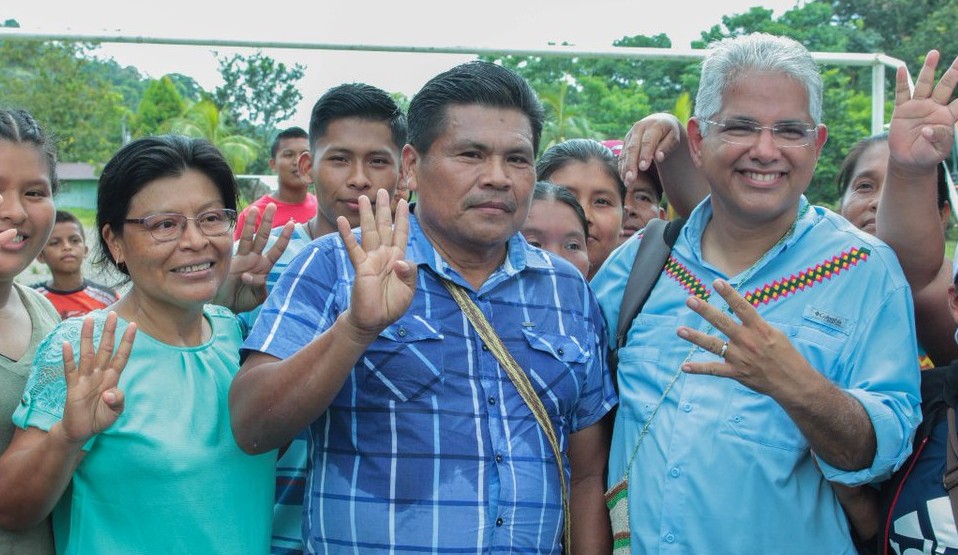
124, 430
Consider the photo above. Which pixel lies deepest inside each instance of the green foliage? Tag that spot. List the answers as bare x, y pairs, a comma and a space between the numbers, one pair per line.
401, 100
205, 120
61, 85
259, 91
161, 103
564, 121
187, 87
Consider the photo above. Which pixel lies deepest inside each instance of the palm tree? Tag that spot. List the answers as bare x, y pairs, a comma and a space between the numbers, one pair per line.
205, 120
566, 123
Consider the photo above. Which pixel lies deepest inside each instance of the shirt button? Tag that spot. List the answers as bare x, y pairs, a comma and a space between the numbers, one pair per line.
498, 458
561, 352
737, 419
492, 400
402, 332
484, 347
670, 538
687, 407
499, 521
674, 473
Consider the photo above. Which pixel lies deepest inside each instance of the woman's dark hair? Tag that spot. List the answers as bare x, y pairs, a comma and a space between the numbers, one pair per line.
145, 160
472, 83
19, 127
584, 151
850, 164
550, 191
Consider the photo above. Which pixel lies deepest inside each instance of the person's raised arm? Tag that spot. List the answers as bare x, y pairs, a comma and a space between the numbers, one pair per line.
919, 138
271, 399
38, 465
662, 138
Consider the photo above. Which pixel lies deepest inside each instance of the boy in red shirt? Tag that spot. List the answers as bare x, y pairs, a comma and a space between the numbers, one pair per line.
70, 293
293, 200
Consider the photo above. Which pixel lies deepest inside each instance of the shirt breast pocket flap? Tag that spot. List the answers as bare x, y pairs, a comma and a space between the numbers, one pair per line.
405, 362
556, 363
563, 347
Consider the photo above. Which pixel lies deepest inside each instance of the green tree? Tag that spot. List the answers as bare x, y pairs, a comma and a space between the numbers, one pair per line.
56, 83
563, 121
259, 91
187, 87
160, 105
205, 120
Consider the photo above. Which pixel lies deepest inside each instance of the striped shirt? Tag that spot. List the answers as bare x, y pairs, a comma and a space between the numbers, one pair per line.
428, 448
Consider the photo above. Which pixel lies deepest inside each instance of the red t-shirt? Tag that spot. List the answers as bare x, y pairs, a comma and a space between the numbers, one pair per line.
300, 213
90, 297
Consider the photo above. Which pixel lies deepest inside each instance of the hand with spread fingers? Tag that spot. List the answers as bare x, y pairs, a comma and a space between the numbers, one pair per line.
756, 354
760, 357
385, 282
922, 127
93, 401
245, 286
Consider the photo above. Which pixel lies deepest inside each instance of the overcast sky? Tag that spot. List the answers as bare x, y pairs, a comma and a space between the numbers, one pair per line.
487, 23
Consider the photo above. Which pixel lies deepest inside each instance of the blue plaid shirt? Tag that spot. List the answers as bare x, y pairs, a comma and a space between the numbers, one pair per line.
428, 447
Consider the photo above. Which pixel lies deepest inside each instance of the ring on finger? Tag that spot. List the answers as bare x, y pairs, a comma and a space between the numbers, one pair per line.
723, 350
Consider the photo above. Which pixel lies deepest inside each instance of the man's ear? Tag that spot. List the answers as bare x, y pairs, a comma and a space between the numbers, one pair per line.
694, 130
272, 165
821, 137
410, 166
305, 164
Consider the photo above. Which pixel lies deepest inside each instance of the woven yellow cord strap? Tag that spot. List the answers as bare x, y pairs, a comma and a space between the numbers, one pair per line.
523, 385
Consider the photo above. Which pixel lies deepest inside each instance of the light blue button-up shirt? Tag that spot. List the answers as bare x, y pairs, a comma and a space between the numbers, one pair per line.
724, 469
428, 448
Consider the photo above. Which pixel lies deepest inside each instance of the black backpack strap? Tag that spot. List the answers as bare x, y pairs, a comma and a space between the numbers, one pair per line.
654, 250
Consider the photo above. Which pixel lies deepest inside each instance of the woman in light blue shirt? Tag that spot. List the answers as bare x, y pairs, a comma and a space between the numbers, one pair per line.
137, 455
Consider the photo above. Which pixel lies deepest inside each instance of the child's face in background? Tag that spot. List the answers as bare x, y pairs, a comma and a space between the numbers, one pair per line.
27, 206
553, 225
65, 250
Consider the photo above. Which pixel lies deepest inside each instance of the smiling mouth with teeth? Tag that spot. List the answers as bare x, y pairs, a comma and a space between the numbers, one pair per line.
193, 268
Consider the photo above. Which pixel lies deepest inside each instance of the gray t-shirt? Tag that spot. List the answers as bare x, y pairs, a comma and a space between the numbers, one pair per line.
13, 377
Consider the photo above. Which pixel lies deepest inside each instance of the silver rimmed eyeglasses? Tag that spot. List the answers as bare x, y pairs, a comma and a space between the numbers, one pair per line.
170, 226
746, 133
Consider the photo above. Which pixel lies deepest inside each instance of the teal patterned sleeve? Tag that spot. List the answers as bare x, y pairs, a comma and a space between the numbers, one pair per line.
46, 392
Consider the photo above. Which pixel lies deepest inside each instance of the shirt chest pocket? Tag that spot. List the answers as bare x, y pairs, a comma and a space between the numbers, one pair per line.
759, 418
405, 363
555, 363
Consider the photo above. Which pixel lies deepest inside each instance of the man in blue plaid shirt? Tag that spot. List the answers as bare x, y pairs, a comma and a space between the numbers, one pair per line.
419, 442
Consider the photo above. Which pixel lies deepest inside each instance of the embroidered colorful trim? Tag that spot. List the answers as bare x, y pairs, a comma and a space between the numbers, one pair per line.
686, 279
778, 288
807, 278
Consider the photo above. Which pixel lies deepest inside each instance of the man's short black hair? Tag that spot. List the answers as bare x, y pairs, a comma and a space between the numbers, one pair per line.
473, 83
288, 133
356, 100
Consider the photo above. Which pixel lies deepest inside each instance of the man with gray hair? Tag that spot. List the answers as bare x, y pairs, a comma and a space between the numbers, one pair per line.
776, 353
